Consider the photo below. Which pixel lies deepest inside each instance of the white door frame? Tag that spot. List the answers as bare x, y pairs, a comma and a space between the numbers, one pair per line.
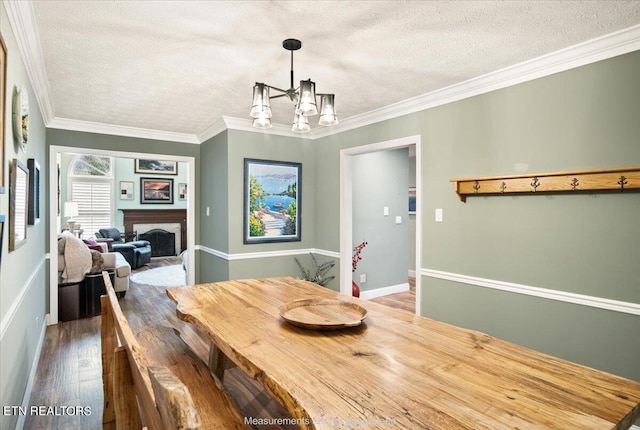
54, 221
346, 207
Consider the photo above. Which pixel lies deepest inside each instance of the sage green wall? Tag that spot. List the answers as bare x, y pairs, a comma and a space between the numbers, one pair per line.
587, 244
243, 145
24, 270
214, 194
411, 222
223, 191
381, 179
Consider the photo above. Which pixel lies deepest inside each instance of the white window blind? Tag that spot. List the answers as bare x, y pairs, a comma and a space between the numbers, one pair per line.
94, 204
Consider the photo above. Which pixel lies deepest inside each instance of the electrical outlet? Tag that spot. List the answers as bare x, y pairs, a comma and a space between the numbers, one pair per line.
363, 278
208, 211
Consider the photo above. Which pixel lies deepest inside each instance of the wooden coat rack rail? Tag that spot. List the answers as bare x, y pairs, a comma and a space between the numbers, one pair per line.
613, 179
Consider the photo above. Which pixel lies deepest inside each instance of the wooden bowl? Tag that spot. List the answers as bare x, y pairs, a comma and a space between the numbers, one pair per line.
323, 314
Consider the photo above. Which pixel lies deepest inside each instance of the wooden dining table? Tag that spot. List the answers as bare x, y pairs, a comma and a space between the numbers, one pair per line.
396, 370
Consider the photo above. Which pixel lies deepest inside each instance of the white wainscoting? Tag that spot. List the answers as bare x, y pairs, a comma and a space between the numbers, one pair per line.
562, 296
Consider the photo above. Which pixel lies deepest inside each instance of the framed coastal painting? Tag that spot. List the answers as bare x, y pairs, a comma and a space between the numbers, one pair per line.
126, 190
34, 191
156, 167
272, 196
3, 95
156, 191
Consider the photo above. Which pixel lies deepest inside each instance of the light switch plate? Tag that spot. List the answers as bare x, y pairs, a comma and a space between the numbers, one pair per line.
398, 219
385, 211
438, 214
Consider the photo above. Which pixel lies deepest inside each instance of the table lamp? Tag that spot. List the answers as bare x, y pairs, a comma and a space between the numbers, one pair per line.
70, 211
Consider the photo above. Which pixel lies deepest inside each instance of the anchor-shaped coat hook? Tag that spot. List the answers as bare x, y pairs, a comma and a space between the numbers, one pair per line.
622, 182
574, 184
535, 183
503, 186
476, 187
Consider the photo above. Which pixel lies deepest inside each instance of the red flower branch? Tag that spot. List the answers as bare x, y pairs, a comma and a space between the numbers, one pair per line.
356, 255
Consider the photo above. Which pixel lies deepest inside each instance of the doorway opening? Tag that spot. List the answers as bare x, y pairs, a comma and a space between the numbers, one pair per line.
347, 210
55, 155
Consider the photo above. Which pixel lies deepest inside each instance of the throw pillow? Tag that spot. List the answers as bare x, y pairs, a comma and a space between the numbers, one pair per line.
92, 244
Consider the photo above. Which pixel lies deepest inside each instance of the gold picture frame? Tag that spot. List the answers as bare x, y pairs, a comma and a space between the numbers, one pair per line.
156, 167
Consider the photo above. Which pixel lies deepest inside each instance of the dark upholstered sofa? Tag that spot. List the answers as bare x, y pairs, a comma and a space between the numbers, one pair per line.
137, 252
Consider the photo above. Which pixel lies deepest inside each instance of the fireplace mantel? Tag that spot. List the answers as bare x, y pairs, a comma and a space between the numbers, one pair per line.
157, 216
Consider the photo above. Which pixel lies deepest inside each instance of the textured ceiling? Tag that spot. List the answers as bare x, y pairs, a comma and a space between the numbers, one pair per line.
179, 66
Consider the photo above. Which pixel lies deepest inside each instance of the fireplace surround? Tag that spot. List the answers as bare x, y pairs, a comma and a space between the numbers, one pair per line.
157, 217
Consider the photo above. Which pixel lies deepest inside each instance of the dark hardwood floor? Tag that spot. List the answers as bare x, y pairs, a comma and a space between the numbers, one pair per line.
69, 371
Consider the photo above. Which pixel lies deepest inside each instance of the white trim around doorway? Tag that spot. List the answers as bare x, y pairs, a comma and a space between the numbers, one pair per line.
346, 206
54, 222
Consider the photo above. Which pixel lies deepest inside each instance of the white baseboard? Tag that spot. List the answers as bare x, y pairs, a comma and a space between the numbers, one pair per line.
384, 291
32, 376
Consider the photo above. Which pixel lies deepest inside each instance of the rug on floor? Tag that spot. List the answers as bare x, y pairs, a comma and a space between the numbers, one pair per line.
167, 276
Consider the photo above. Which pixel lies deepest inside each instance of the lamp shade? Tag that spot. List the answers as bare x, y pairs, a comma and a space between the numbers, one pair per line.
300, 124
327, 110
71, 209
307, 102
261, 107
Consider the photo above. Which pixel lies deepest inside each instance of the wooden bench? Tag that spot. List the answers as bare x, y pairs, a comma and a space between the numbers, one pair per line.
156, 370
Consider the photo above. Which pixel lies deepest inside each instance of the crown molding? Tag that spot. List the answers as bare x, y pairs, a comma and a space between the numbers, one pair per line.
591, 51
25, 30
213, 130
120, 130
245, 124
22, 20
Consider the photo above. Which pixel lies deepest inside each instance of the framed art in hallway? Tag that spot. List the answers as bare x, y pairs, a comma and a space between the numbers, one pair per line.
3, 92
156, 191
412, 200
156, 167
34, 191
272, 195
18, 204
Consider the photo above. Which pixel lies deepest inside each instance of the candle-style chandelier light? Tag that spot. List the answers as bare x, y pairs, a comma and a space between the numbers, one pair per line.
304, 98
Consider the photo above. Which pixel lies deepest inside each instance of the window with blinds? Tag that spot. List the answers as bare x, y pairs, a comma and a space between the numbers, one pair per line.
91, 186
94, 204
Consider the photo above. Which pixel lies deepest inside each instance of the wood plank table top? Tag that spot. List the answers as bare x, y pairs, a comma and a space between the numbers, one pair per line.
398, 370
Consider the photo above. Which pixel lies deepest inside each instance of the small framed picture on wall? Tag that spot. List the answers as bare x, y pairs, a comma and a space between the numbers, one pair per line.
182, 191
126, 190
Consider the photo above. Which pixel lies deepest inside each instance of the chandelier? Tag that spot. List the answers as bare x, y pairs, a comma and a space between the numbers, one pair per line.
303, 97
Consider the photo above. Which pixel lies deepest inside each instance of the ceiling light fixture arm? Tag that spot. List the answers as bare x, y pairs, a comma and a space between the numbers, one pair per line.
304, 98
